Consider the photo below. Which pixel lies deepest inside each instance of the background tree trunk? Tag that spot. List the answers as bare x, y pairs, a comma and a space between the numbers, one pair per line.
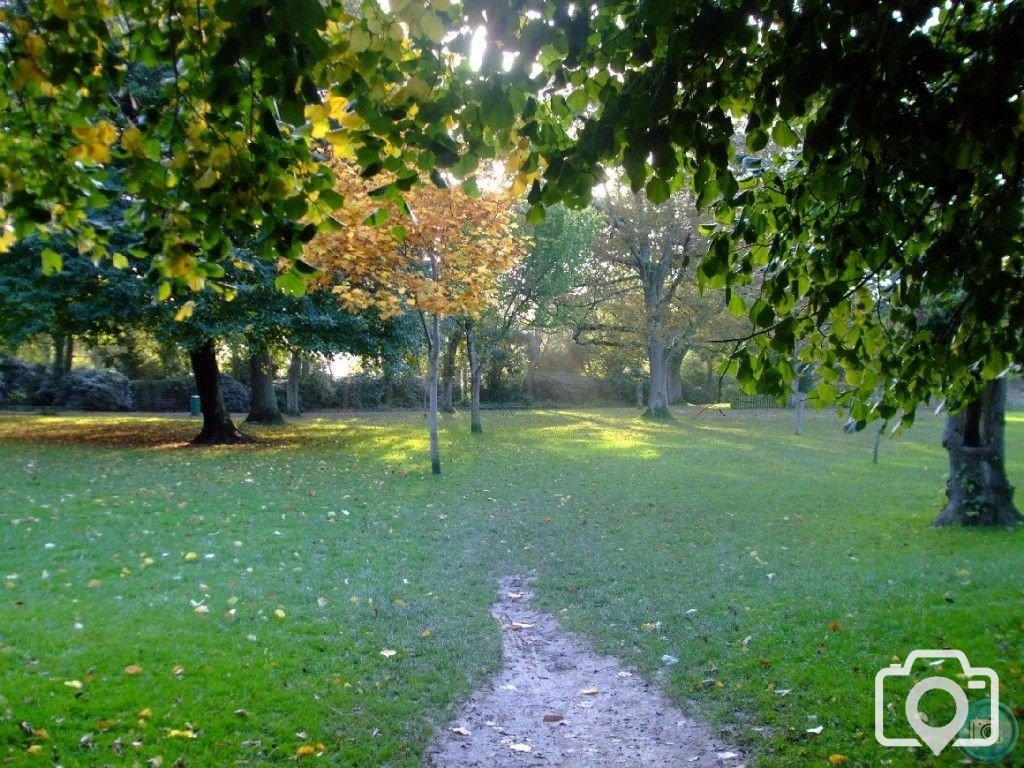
263, 409
448, 374
63, 353
218, 429
657, 398
476, 371
674, 386
533, 352
978, 490
292, 402
434, 352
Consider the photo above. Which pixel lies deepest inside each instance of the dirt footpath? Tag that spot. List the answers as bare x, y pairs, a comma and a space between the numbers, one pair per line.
556, 703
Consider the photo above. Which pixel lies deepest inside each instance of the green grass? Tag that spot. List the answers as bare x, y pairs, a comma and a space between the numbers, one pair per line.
808, 567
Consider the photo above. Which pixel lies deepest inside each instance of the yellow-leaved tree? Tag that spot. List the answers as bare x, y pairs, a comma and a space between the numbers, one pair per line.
435, 251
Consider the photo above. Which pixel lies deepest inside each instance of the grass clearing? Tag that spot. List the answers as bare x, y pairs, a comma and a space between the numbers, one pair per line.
808, 567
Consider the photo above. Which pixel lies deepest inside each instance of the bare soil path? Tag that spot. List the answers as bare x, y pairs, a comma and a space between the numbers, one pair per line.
557, 703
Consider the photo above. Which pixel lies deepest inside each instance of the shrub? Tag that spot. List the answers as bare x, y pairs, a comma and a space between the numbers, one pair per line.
317, 390
236, 394
89, 389
21, 382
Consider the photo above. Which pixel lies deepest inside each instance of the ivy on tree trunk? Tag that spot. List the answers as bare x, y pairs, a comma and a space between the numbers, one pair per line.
264, 408
218, 429
979, 492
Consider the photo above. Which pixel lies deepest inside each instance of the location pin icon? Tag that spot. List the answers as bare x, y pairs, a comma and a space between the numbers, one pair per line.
937, 739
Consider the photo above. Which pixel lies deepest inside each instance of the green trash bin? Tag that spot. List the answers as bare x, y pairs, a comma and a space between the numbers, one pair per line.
193, 406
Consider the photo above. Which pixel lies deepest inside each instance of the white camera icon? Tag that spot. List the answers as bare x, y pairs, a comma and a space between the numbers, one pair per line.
981, 679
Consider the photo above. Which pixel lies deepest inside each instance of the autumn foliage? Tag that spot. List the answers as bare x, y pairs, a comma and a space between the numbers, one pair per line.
433, 249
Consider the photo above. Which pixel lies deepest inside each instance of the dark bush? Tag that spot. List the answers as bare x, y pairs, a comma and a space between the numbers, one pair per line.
236, 394
163, 394
317, 390
89, 389
573, 389
21, 382
175, 394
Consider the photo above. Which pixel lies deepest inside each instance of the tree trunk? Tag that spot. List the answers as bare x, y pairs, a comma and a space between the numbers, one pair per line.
448, 374
434, 350
640, 394
263, 409
476, 371
657, 398
533, 352
63, 352
292, 402
799, 401
978, 490
218, 429
674, 386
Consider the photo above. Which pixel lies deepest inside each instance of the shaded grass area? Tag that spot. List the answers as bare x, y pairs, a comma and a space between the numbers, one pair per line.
275, 574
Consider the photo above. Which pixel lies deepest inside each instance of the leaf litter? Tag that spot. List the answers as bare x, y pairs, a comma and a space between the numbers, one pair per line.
557, 703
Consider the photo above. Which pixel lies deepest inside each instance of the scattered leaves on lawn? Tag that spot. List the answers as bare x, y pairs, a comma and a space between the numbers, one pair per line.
191, 557
279, 612
35, 749
835, 626
838, 759
133, 670
387, 653
76, 684
308, 750
181, 733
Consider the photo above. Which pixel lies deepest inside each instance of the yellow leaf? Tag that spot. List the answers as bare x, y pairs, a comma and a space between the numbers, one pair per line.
184, 313
119, 260
76, 684
202, 609
306, 750
133, 670
647, 626
358, 42
280, 613
838, 759
387, 653
184, 733
191, 556
145, 714
131, 141
426, 633
177, 670
35, 749
835, 626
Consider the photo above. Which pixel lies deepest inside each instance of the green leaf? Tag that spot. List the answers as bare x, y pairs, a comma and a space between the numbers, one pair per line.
332, 199
737, 307
471, 189
536, 215
53, 262
757, 140
290, 283
783, 135
658, 190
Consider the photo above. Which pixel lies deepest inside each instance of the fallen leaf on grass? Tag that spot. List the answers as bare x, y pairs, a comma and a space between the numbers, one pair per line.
835, 626
520, 747
191, 557
177, 670
387, 653
816, 730
76, 684
133, 670
279, 612
202, 609
460, 731
515, 595
426, 633
145, 714
838, 759
155, 762
35, 749
520, 625
589, 692
726, 755
242, 713
181, 733
307, 750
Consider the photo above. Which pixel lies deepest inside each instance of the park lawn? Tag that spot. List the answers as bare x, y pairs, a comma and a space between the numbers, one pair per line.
230, 606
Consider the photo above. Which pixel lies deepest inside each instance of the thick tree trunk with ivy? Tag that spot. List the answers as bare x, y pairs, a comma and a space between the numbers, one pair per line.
979, 492
218, 429
448, 374
476, 372
292, 402
673, 364
263, 409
